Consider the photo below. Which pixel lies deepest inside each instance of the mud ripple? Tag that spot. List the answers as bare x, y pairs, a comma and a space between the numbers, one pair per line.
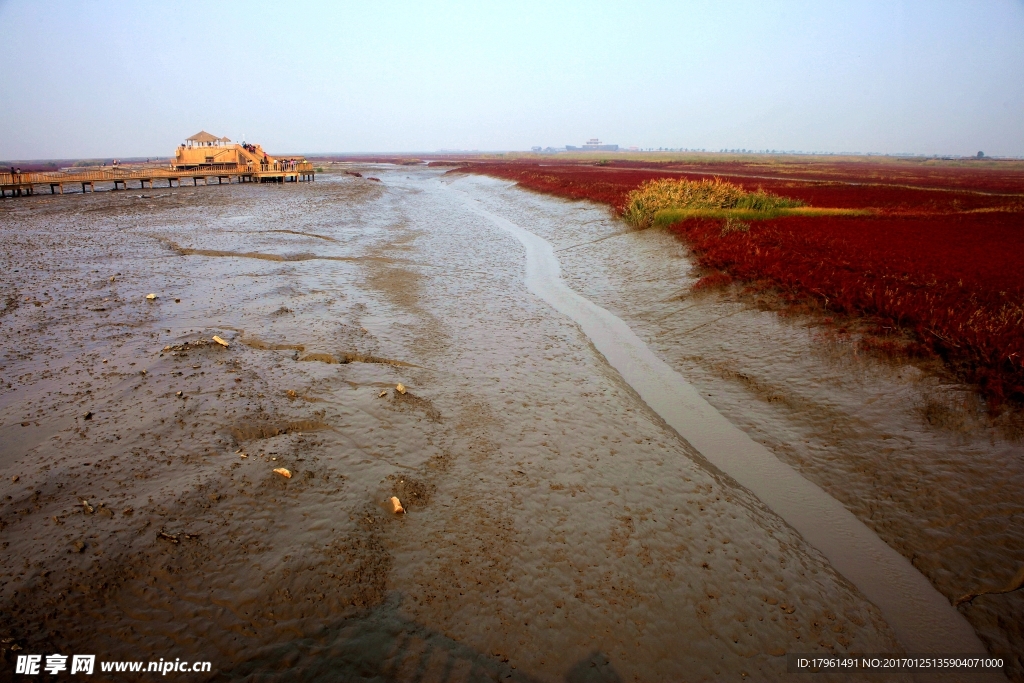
267, 430
346, 358
263, 256
304, 234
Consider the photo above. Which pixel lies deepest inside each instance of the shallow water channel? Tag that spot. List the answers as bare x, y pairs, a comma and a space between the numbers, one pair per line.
577, 508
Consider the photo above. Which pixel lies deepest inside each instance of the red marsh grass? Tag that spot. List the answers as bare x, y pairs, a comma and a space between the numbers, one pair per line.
929, 254
953, 283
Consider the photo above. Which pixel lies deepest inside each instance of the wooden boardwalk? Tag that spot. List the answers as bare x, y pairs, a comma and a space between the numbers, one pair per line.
23, 184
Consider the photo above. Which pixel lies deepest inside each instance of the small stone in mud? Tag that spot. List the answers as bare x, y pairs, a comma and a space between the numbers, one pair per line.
128, 511
400, 388
151, 296
87, 416
383, 393
177, 301
86, 508
78, 546
15, 478
220, 341
25, 424
178, 394
111, 278
396, 505
284, 472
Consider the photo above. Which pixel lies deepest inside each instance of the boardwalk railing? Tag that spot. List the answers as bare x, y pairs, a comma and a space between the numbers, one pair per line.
119, 174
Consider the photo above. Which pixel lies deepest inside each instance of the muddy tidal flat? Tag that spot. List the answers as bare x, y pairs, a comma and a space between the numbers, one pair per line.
556, 526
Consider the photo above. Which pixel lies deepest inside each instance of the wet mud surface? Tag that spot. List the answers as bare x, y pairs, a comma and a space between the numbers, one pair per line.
912, 456
556, 528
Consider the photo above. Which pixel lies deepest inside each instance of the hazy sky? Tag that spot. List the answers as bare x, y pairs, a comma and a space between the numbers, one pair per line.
119, 79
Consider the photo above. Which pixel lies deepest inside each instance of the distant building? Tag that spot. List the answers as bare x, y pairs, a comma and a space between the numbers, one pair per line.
592, 145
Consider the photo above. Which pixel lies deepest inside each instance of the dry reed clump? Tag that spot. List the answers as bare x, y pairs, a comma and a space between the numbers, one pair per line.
715, 195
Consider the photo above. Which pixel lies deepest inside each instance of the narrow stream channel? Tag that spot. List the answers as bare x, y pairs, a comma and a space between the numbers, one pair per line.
921, 617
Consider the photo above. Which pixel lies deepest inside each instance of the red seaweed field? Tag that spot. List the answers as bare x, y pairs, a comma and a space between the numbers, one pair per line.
938, 260
981, 175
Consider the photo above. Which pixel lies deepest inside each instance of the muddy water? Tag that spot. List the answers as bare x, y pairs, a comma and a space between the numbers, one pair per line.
557, 527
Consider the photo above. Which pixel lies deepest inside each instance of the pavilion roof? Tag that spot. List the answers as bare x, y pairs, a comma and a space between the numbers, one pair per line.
203, 136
